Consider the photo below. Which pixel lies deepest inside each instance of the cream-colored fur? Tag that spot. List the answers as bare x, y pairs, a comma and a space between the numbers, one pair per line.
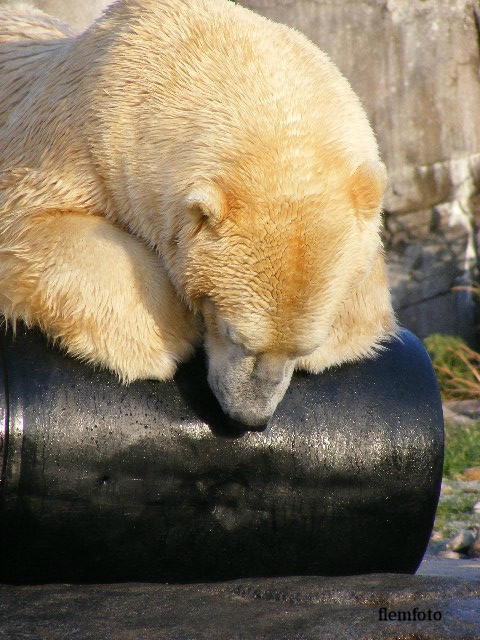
78, 14
186, 166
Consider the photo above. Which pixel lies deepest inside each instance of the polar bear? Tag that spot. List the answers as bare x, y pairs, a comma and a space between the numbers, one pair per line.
188, 171
78, 15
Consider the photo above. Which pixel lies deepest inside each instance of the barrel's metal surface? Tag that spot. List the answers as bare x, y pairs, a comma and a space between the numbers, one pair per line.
103, 482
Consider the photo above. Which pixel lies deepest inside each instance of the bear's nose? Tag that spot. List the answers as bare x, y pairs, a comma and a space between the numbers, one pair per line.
237, 426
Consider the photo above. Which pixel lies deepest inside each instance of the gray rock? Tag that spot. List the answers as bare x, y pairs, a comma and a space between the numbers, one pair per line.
461, 411
474, 550
462, 541
424, 266
295, 608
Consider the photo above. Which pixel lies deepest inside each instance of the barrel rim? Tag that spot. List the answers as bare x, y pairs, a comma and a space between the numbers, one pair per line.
11, 427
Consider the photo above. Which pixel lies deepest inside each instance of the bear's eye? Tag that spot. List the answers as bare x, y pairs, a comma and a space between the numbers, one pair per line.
231, 335
228, 332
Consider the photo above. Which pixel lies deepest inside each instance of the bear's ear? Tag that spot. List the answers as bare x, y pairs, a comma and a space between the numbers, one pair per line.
367, 185
207, 201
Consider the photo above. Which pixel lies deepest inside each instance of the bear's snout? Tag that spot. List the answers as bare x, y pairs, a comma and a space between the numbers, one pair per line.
249, 400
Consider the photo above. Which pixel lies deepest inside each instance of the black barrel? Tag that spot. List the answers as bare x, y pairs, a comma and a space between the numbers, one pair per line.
103, 482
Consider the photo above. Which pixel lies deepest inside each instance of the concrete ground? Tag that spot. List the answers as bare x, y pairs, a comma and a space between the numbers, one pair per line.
466, 569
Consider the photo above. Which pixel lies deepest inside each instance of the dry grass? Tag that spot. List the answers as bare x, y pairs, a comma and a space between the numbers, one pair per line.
457, 365
455, 385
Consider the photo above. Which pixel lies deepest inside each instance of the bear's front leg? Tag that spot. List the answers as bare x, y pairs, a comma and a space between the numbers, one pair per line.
99, 291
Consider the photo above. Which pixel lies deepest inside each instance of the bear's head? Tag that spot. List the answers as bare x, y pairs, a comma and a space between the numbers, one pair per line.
269, 275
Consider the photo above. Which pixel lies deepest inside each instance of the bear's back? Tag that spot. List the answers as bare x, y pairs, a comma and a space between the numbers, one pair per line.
213, 70
29, 40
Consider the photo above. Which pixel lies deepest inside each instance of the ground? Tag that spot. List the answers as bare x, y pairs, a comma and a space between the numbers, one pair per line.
461, 479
